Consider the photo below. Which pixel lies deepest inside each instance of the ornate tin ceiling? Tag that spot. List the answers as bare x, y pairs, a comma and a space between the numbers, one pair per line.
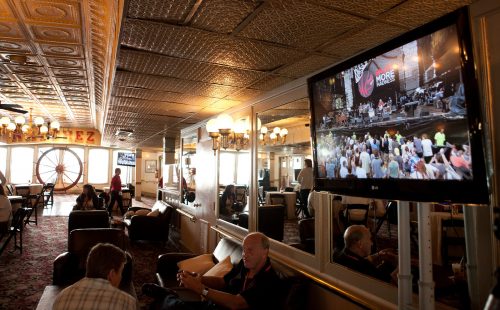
179, 62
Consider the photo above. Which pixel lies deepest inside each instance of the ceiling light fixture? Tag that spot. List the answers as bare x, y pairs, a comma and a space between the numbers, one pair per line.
232, 134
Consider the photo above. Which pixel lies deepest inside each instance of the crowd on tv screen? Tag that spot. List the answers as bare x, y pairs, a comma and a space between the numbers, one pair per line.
392, 155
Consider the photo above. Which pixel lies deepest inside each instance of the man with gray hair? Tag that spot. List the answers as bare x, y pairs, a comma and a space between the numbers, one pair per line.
356, 255
252, 284
99, 288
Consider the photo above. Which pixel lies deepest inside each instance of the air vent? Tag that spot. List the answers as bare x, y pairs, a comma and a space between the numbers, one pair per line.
124, 132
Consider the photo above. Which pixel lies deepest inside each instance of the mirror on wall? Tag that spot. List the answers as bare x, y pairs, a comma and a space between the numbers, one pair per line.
234, 176
188, 168
283, 144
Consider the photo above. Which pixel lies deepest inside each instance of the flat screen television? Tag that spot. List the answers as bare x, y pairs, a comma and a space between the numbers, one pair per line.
126, 159
402, 121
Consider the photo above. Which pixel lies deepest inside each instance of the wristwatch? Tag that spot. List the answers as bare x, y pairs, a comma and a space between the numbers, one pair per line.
204, 292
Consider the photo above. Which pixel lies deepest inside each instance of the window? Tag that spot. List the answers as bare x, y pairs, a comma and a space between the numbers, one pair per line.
226, 171
72, 166
98, 166
21, 165
243, 168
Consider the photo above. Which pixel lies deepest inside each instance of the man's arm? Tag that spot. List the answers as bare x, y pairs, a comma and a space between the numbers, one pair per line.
213, 282
196, 284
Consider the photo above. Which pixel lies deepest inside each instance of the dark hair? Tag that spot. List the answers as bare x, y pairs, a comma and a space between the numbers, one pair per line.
90, 191
103, 258
308, 163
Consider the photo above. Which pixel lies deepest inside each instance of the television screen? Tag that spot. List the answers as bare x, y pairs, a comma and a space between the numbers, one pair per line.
402, 121
126, 159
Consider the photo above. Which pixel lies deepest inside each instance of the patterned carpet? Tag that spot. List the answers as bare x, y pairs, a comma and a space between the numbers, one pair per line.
23, 277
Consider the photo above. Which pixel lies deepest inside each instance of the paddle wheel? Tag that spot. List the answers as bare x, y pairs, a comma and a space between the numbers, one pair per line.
61, 166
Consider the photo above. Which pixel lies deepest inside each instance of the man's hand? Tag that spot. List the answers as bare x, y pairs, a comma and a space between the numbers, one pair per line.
190, 280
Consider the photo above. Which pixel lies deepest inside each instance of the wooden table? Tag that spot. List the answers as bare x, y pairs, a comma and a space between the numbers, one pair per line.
290, 199
16, 202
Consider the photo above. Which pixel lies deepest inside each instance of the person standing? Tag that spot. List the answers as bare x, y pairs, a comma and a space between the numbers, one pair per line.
440, 138
306, 181
115, 191
427, 148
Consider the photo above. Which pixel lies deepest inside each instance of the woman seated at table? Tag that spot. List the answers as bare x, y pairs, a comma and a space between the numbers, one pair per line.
5, 211
87, 200
227, 200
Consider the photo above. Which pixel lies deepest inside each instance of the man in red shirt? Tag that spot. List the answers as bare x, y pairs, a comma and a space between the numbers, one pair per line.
115, 191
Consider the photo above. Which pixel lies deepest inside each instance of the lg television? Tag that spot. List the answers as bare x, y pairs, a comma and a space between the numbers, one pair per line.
402, 121
126, 159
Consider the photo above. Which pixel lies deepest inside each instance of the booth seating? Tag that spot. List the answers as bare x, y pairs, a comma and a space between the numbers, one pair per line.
295, 286
152, 226
69, 267
88, 219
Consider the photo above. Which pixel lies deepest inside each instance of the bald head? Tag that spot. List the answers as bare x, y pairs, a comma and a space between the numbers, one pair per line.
257, 238
255, 251
357, 238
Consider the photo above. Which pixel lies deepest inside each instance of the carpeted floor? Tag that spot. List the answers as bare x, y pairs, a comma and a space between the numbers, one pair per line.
23, 277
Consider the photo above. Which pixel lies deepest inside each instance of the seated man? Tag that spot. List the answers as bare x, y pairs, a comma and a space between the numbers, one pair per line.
355, 255
99, 288
252, 284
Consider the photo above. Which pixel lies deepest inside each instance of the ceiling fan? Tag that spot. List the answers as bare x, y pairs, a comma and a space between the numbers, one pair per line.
12, 107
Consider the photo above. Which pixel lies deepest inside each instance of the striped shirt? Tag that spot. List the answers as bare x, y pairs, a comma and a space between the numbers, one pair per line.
93, 294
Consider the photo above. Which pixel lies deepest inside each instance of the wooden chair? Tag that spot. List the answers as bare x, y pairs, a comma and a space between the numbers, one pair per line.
48, 194
31, 205
16, 227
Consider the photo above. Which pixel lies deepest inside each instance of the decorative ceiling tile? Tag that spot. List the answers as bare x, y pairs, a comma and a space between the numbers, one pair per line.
414, 13
33, 78
10, 30
66, 13
190, 43
299, 24
271, 82
15, 46
65, 50
376, 33
143, 81
162, 10
364, 7
185, 69
56, 34
65, 62
222, 16
245, 94
72, 81
27, 69
68, 72
307, 65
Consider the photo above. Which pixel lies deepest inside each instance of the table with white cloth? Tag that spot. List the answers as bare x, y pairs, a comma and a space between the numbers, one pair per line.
436, 232
290, 199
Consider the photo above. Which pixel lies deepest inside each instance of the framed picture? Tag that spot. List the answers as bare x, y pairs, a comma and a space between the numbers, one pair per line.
150, 166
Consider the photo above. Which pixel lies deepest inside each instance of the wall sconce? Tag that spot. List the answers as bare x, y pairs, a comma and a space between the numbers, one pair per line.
231, 134
278, 134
